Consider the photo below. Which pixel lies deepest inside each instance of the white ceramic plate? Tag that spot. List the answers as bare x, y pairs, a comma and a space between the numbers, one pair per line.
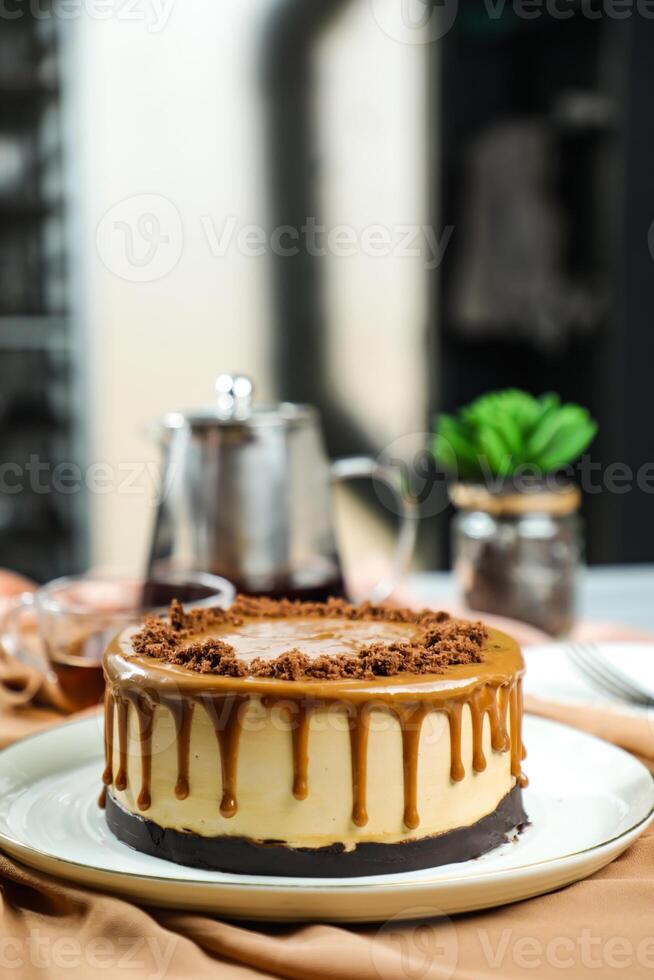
587, 802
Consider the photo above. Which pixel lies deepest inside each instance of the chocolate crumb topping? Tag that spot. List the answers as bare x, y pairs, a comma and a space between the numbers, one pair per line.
210, 656
440, 642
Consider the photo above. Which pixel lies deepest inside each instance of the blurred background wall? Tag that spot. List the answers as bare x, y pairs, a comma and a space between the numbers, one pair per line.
482, 181
168, 126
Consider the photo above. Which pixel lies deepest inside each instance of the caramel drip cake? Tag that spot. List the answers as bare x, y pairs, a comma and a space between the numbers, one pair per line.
313, 738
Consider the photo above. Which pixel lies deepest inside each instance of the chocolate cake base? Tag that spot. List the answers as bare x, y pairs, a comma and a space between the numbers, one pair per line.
239, 855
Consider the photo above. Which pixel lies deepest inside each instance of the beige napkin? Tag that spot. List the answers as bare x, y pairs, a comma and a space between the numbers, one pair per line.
24, 684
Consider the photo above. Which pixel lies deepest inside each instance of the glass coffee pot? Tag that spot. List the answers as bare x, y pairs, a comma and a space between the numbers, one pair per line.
246, 494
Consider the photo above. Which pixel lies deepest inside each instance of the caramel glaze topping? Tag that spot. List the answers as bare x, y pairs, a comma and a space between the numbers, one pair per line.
295, 640
491, 687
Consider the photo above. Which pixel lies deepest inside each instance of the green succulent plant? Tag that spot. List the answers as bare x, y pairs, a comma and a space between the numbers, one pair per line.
505, 431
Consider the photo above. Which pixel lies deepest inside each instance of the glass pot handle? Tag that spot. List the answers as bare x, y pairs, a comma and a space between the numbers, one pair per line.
358, 467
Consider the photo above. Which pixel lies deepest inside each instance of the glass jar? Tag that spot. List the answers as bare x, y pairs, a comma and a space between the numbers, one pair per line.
517, 554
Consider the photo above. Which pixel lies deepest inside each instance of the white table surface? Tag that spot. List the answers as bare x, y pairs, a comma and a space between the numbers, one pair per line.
616, 593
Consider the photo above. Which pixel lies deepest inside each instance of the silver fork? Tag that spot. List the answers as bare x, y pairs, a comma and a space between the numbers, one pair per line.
589, 662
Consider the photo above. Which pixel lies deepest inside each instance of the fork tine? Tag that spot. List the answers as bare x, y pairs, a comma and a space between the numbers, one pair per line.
588, 675
597, 665
589, 669
592, 662
616, 676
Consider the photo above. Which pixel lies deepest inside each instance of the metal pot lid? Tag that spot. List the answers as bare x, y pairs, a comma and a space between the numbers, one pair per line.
234, 407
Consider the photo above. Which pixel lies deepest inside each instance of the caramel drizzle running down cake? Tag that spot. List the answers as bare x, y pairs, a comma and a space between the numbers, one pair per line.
265, 665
